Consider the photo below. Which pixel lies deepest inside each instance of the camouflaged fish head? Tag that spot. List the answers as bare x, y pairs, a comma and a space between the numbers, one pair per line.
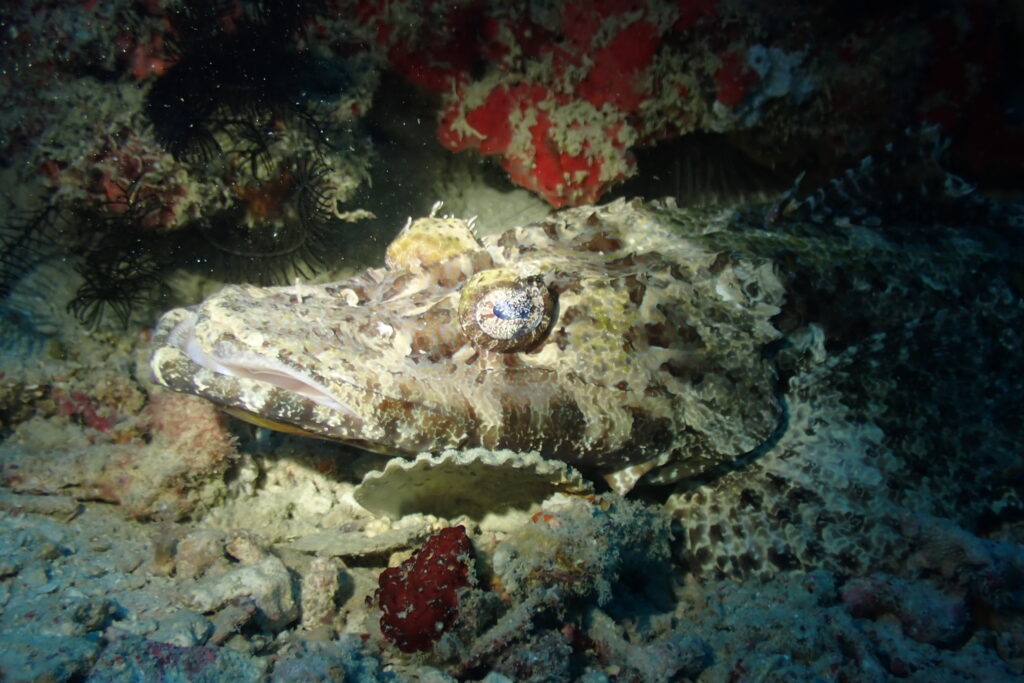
605, 337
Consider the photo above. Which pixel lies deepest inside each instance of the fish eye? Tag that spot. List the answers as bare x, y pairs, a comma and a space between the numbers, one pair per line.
500, 311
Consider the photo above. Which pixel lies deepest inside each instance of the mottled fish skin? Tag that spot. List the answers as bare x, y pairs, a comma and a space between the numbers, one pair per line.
655, 354
902, 370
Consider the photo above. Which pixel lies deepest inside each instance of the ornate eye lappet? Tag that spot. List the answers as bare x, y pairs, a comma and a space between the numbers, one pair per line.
500, 311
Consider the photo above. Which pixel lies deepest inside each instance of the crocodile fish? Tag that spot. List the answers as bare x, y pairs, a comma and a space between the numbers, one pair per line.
598, 337
789, 373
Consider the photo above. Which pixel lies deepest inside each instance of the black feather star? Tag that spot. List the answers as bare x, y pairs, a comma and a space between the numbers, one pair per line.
279, 228
119, 264
117, 283
227, 99
111, 253
27, 239
220, 80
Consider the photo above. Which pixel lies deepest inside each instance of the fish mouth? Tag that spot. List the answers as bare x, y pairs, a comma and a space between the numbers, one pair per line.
227, 360
271, 392
268, 392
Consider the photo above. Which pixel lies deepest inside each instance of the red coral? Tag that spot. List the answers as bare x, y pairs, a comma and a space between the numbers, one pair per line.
733, 79
514, 121
490, 120
615, 76
85, 410
418, 597
126, 171
568, 92
583, 19
559, 177
543, 166
433, 55
579, 24
148, 59
691, 11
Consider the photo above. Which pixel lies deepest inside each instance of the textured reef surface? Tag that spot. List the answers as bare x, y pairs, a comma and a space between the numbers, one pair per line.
745, 407
806, 412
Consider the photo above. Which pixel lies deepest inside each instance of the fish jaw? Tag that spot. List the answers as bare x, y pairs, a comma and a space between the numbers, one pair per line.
301, 384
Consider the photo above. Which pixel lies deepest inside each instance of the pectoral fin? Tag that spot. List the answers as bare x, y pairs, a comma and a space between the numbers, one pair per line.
622, 481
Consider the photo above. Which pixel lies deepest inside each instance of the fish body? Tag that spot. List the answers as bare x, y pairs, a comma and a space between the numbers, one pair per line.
652, 354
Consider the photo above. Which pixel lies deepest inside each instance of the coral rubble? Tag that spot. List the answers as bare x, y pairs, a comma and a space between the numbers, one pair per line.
419, 598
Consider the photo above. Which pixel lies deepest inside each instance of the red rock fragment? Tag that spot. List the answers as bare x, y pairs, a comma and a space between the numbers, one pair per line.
419, 598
